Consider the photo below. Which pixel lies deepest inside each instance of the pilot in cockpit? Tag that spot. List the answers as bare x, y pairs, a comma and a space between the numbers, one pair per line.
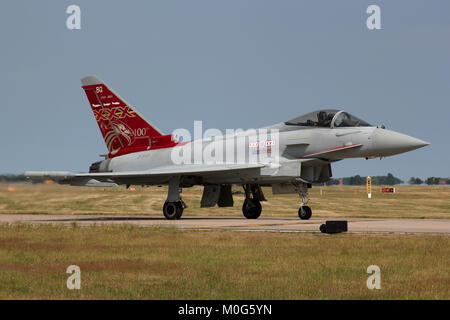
324, 118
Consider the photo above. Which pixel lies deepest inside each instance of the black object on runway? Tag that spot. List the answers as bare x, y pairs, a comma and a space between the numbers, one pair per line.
334, 226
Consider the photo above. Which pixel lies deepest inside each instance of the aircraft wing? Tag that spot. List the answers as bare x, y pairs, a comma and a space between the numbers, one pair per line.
65, 177
103, 179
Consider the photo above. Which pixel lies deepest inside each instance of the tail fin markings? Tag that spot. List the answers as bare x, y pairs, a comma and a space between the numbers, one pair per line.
123, 128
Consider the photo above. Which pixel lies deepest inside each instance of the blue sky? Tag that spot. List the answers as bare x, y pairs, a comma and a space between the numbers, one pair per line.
232, 64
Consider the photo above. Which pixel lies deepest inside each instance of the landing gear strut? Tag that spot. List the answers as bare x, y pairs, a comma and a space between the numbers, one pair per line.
304, 212
174, 205
252, 204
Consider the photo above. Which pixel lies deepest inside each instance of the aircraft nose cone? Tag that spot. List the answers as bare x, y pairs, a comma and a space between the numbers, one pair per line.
387, 142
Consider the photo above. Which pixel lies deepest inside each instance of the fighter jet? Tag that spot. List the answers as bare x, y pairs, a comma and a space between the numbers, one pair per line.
288, 156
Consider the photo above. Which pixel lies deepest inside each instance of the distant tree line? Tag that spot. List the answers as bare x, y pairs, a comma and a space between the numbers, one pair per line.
357, 180
386, 180
415, 181
12, 178
430, 181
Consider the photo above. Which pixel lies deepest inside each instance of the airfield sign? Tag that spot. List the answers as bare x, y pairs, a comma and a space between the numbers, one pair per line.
369, 187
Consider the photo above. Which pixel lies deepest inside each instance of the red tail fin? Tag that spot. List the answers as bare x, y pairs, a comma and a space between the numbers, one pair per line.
123, 128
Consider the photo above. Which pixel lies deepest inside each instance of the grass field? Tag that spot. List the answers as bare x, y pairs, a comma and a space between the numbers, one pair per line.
123, 262
407, 202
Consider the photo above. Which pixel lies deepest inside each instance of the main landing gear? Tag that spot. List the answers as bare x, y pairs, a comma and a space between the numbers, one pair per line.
174, 205
252, 204
251, 208
304, 212
173, 210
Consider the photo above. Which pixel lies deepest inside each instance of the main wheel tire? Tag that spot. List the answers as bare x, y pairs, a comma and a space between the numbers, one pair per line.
173, 210
251, 208
304, 212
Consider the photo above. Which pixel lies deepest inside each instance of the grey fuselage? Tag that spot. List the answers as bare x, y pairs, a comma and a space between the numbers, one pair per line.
287, 153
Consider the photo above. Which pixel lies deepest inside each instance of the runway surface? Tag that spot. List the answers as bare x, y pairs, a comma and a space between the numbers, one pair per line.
274, 224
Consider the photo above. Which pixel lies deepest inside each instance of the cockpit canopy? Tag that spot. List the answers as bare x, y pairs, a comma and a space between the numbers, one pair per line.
329, 118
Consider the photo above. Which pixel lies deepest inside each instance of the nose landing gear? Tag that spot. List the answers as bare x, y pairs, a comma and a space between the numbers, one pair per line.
304, 212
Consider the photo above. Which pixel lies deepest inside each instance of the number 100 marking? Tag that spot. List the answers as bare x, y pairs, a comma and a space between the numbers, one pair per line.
140, 132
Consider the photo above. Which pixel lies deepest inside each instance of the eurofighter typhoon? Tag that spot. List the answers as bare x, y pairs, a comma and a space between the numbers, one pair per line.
289, 156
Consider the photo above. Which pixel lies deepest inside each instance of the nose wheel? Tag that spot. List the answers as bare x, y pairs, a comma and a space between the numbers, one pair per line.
304, 212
